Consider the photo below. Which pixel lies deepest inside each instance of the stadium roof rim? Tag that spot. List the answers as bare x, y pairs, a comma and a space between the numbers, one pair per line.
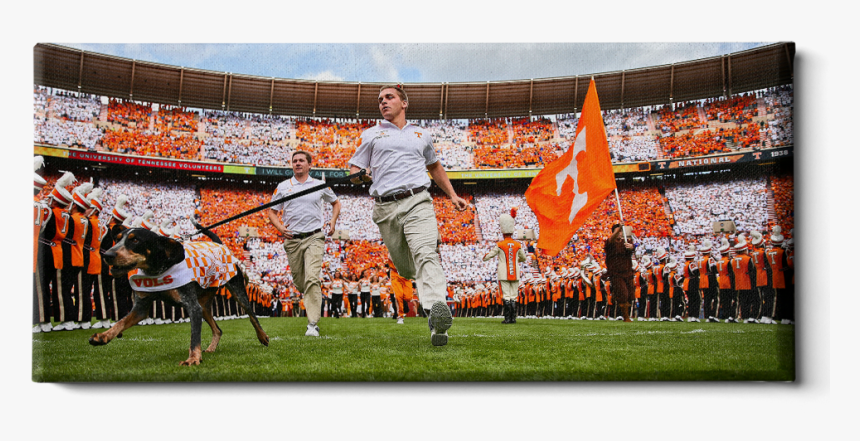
117, 77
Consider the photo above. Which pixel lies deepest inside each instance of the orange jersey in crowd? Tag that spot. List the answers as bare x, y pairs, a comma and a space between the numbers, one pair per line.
757, 256
79, 236
741, 267
774, 259
98, 233
723, 272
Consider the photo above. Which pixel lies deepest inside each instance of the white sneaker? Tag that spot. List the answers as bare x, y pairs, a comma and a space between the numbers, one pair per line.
640, 319
150, 321
65, 326
652, 319
98, 325
75, 325
46, 327
786, 322
313, 331
168, 321
86, 325
37, 329
400, 321
664, 319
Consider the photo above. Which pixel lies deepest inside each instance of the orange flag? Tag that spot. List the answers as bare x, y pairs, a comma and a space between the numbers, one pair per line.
568, 189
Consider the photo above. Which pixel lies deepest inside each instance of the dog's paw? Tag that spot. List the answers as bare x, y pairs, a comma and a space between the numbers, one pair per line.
264, 339
190, 362
99, 340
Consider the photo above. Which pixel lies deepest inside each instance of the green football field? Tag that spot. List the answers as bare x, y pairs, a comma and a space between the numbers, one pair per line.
479, 349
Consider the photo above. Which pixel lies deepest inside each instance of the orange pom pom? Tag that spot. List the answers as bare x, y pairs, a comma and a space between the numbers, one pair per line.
514, 212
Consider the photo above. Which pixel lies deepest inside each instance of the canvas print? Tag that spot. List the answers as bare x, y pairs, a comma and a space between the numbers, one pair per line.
206, 223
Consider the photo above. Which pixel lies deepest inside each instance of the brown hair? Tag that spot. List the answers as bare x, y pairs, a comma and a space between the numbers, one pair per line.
308, 156
399, 89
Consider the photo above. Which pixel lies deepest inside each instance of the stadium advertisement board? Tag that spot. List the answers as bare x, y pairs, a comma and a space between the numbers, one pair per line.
139, 161
635, 167
754, 156
288, 172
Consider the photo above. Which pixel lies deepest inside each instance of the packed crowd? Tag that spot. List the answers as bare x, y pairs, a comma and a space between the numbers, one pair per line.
163, 145
173, 203
63, 118
780, 104
531, 131
696, 207
739, 109
685, 116
455, 226
783, 200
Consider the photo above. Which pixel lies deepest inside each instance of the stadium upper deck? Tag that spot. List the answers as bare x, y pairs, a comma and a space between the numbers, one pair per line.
98, 74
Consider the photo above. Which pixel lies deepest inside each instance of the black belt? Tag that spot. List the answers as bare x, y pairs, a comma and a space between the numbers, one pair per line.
308, 234
399, 196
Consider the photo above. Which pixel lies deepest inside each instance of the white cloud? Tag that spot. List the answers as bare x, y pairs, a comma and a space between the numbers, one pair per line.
323, 76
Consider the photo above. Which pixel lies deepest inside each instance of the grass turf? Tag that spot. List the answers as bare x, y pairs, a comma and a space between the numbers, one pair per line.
479, 349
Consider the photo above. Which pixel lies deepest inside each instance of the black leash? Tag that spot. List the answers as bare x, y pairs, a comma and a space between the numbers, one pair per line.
324, 185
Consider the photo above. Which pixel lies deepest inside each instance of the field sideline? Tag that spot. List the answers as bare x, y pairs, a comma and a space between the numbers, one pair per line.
479, 349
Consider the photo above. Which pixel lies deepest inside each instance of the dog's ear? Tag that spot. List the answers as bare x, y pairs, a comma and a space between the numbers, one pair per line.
174, 252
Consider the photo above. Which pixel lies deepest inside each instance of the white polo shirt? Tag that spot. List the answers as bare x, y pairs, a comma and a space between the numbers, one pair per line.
397, 158
303, 214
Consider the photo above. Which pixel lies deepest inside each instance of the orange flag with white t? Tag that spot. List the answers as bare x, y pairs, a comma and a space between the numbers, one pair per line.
567, 190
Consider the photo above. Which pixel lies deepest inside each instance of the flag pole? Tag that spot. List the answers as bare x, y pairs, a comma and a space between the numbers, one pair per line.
620, 214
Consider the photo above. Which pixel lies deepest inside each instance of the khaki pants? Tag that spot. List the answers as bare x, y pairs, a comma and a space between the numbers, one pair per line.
305, 258
509, 289
409, 230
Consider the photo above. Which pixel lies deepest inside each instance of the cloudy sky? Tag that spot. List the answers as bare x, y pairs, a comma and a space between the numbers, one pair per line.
410, 63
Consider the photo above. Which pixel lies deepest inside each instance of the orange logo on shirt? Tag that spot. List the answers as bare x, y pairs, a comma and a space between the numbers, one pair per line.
418, 134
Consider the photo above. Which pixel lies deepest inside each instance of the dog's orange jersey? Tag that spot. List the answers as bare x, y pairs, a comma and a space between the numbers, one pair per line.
207, 263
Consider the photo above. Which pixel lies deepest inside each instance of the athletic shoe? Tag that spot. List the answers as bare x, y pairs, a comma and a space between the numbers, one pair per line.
86, 325
37, 329
787, 322
98, 325
149, 321
74, 325
313, 331
400, 321
46, 327
65, 326
640, 319
664, 319
440, 320
652, 319
678, 318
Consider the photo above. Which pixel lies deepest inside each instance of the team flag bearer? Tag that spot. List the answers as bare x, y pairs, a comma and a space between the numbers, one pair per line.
568, 189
